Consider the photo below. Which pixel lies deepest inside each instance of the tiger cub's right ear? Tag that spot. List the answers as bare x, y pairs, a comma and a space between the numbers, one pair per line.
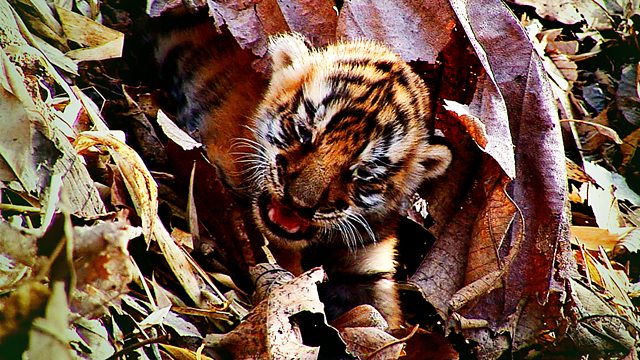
287, 49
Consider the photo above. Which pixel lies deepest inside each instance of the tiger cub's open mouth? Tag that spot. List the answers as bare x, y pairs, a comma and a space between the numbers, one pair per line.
282, 220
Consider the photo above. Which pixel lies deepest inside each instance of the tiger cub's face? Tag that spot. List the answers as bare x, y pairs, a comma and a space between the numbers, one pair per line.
340, 141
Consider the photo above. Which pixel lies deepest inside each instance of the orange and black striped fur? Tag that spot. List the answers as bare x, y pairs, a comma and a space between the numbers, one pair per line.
328, 154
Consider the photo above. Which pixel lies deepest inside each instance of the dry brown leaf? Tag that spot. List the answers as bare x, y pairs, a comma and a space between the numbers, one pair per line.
419, 39
102, 264
474, 127
182, 238
629, 147
102, 42
193, 279
594, 237
363, 330
361, 316
571, 11
49, 336
142, 188
177, 135
251, 23
629, 243
268, 332
567, 67
179, 353
601, 129
599, 327
577, 173
372, 343
489, 232
515, 102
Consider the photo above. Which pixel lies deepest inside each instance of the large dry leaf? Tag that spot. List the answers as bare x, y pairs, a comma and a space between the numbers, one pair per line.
252, 22
514, 101
399, 24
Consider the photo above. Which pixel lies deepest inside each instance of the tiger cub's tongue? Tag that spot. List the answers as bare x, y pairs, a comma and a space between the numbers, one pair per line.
284, 217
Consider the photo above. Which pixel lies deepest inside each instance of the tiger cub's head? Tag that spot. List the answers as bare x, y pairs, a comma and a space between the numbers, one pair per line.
340, 142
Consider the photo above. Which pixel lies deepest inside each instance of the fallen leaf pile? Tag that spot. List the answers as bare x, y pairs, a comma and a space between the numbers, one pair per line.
117, 239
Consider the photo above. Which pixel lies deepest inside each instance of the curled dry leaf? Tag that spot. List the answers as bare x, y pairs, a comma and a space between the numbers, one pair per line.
142, 188
363, 330
177, 135
275, 328
372, 343
473, 126
102, 42
601, 129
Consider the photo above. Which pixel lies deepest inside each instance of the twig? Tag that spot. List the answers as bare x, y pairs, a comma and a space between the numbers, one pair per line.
137, 345
20, 208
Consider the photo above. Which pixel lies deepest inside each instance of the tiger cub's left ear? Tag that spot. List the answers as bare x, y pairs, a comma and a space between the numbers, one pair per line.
287, 49
437, 155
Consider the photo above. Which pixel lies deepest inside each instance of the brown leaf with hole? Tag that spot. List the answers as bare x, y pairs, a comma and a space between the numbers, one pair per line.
268, 332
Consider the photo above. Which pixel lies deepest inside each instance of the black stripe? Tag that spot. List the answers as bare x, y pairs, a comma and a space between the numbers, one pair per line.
381, 65
384, 66
291, 104
343, 114
309, 109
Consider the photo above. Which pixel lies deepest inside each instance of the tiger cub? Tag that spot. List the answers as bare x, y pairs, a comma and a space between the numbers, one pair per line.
328, 154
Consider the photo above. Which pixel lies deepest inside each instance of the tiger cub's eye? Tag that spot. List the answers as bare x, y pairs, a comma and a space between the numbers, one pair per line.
362, 174
304, 133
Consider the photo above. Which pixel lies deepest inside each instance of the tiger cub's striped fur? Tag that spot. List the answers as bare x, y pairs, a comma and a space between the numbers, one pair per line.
336, 144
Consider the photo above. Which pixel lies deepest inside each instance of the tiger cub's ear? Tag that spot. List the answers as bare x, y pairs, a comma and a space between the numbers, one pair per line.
437, 155
287, 49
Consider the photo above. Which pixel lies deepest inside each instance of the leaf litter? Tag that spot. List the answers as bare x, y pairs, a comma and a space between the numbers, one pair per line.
103, 257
